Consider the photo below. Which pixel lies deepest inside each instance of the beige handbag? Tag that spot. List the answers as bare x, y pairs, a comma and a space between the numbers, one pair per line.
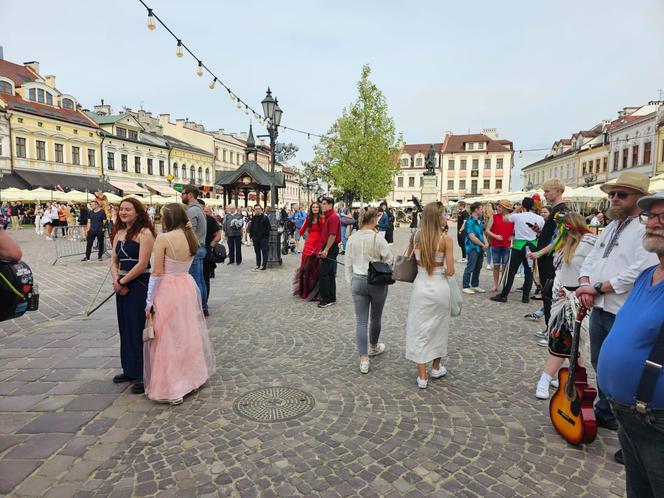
148, 330
405, 267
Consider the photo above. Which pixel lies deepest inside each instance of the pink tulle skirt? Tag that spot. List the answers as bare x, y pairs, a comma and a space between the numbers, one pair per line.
180, 358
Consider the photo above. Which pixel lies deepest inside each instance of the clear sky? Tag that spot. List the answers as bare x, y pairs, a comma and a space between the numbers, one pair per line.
536, 70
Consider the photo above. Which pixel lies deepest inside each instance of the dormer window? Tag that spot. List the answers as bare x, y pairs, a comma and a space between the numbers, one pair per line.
40, 95
67, 104
121, 132
133, 135
471, 146
6, 87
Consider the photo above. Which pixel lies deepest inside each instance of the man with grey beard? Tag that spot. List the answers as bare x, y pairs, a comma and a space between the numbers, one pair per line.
630, 365
609, 271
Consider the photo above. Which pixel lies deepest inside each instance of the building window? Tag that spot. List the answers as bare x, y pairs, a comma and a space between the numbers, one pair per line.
200, 175
487, 184
175, 170
471, 146
499, 184
137, 164
41, 150
404, 162
615, 160
110, 161
32, 94
411, 181
463, 164
462, 184
207, 175
583, 168
450, 164
647, 150
40, 124
224, 154
161, 168
476, 164
192, 174
20, 147
232, 157
399, 181
91, 158
499, 163
418, 162
450, 184
487, 164
624, 158
76, 155
67, 104
123, 162
421, 181
150, 167
473, 186
605, 163
5, 87
635, 155
75, 132
59, 153
121, 132
216, 153
133, 134
49, 98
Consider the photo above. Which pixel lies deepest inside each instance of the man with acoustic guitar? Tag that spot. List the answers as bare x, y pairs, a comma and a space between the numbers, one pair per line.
630, 365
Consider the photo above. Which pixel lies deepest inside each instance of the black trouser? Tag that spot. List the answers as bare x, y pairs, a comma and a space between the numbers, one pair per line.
235, 249
327, 272
461, 239
208, 268
99, 235
517, 257
260, 248
547, 273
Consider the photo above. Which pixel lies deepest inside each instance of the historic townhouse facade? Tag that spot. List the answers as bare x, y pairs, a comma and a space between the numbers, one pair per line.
633, 140
5, 157
412, 166
51, 141
659, 149
132, 159
292, 192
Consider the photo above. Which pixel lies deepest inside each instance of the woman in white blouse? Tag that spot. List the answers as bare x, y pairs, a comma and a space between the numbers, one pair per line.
362, 247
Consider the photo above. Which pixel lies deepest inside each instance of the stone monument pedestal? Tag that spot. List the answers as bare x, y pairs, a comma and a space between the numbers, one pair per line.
429, 189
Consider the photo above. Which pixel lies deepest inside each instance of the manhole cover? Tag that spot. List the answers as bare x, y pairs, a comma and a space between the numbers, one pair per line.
274, 404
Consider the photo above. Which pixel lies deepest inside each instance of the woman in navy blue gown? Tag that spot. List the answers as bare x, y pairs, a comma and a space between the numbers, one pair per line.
132, 239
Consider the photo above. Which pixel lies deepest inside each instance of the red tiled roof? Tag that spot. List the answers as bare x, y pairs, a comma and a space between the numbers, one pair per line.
16, 103
625, 120
455, 143
413, 149
17, 73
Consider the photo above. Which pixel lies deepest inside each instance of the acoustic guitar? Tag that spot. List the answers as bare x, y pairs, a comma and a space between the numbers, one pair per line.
571, 407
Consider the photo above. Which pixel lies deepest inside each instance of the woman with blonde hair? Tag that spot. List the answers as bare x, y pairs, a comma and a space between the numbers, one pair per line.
428, 321
363, 247
179, 359
573, 243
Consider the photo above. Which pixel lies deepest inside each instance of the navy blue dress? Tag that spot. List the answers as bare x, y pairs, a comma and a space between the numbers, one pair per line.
131, 310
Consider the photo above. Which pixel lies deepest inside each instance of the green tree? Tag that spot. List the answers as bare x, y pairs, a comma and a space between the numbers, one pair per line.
359, 155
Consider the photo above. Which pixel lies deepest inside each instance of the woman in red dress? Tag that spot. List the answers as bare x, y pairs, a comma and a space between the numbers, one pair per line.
306, 277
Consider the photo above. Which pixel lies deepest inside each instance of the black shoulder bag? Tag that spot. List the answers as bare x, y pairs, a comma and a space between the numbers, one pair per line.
380, 273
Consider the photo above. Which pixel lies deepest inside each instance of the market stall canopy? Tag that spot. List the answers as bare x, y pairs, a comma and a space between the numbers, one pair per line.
164, 190
128, 187
50, 180
77, 196
14, 194
112, 198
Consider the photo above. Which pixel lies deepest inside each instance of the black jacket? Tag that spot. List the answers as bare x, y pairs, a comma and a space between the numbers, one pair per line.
260, 227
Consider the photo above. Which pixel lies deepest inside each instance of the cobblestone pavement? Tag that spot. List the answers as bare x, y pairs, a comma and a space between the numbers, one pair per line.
67, 430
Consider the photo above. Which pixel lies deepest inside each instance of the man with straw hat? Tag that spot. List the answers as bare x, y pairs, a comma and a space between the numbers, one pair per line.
500, 233
609, 271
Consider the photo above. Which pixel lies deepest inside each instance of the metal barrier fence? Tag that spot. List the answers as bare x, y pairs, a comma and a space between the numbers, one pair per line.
71, 241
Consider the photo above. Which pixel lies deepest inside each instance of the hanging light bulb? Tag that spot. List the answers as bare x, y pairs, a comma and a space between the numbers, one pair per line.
152, 25
238, 105
199, 71
179, 51
246, 110
213, 83
231, 95
308, 136
520, 154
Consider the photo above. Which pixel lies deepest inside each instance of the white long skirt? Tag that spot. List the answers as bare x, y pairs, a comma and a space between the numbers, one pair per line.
428, 322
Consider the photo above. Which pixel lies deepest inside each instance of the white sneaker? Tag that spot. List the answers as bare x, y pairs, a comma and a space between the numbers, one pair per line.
542, 391
468, 291
479, 289
555, 383
422, 384
377, 349
489, 267
543, 343
437, 374
364, 365
462, 260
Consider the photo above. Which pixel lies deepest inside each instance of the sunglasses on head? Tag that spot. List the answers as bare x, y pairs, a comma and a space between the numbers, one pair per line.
620, 194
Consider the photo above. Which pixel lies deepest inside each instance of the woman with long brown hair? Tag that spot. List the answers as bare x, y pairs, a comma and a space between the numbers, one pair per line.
179, 359
132, 239
573, 244
428, 321
306, 276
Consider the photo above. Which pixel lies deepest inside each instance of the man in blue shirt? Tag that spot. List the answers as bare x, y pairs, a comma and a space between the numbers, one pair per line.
622, 361
298, 216
476, 243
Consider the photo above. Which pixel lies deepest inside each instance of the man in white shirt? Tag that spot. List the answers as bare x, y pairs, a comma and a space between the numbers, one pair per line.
609, 271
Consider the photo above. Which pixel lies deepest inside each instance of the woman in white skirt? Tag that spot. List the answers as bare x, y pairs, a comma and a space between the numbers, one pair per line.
428, 320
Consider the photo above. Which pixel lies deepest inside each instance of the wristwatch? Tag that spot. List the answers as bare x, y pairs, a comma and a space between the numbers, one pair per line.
598, 288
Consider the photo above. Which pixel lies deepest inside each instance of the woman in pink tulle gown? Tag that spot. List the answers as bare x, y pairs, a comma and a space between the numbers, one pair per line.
179, 359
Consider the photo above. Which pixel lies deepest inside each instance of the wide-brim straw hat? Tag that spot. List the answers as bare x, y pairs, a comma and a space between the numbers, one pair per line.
505, 204
629, 179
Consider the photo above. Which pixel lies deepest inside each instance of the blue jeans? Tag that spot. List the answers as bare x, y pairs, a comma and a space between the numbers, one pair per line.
344, 236
471, 275
600, 325
642, 441
196, 271
368, 300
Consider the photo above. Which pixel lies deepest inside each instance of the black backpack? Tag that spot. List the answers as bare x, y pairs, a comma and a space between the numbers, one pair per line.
219, 253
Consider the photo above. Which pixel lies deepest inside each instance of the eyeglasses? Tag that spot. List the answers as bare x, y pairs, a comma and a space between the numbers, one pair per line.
620, 194
645, 217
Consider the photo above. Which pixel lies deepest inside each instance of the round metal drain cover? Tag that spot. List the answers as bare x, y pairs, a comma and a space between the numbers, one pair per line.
274, 404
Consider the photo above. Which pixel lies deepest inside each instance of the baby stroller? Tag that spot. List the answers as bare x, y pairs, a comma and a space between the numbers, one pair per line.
288, 243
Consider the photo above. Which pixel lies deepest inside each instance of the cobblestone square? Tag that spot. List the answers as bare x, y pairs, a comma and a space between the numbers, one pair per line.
67, 430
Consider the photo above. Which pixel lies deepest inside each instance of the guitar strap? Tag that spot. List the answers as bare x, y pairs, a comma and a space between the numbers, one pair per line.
651, 371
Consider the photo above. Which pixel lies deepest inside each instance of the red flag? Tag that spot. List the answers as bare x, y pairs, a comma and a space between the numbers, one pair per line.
59, 188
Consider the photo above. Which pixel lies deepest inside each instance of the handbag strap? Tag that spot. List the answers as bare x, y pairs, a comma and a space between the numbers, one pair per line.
651, 371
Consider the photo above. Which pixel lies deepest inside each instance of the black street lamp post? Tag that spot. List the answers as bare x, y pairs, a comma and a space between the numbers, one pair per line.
2, 173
